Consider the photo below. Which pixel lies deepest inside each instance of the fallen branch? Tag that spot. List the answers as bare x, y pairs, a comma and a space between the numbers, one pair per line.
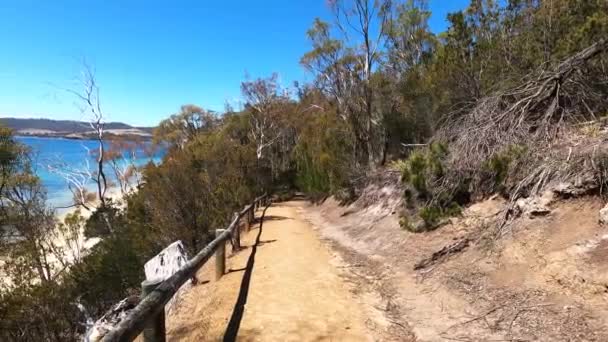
443, 253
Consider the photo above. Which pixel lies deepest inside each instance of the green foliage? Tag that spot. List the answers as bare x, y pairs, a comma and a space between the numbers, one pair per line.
453, 210
403, 167
105, 276
418, 181
423, 166
184, 126
406, 224
41, 312
9, 152
430, 215
322, 153
419, 173
413, 171
100, 222
360, 109
417, 162
500, 163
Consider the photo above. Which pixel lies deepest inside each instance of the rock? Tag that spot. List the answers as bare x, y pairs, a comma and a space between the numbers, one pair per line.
536, 206
167, 262
604, 215
580, 186
160, 267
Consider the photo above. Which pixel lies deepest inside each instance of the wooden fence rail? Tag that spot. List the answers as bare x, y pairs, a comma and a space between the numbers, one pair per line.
149, 313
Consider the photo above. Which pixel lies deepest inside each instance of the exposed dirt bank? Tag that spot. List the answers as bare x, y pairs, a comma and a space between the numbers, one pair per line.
544, 280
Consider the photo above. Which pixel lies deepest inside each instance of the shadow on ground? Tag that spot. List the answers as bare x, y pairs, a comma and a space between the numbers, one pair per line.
237, 313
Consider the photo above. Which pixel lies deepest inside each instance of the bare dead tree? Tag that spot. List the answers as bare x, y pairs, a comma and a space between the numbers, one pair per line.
76, 179
89, 96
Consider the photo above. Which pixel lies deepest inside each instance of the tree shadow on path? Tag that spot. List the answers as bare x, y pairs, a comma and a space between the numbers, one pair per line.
237, 313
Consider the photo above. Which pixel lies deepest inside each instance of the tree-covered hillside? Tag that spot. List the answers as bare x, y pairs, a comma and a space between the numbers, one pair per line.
475, 110
61, 126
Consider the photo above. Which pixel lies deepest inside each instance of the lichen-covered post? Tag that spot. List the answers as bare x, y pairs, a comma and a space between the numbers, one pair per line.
220, 256
155, 328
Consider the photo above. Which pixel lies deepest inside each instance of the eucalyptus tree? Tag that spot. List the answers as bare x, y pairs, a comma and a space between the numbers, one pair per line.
265, 102
184, 126
344, 59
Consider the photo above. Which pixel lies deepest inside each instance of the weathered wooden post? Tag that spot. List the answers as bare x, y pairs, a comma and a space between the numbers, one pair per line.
220, 256
237, 233
247, 218
155, 328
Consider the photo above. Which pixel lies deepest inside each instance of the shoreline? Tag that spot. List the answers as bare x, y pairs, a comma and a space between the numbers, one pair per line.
113, 193
68, 251
73, 250
58, 239
87, 136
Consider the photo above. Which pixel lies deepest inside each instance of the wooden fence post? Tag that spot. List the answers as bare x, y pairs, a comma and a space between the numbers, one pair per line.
220, 256
237, 234
247, 218
155, 328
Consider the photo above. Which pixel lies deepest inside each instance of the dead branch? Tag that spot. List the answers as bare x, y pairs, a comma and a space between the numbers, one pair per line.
538, 116
443, 253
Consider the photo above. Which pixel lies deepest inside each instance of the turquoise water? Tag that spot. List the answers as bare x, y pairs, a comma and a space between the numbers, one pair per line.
73, 152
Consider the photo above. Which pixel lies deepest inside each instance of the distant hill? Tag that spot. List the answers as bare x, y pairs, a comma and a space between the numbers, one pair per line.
70, 128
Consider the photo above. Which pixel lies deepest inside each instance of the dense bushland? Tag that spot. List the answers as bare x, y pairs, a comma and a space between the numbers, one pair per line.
461, 114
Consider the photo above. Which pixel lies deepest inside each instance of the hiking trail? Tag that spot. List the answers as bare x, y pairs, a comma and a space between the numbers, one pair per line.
284, 285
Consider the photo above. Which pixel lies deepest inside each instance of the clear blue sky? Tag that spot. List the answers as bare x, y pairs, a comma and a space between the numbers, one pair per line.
151, 56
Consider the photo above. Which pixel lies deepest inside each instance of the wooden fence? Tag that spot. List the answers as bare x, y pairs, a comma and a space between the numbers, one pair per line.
149, 315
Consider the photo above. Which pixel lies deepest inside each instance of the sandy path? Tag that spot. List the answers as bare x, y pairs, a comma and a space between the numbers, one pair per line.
285, 287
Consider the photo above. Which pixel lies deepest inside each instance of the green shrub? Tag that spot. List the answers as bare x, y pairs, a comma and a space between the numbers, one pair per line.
404, 223
453, 210
499, 164
418, 181
404, 169
420, 171
433, 214
439, 150
430, 215
409, 198
100, 223
417, 162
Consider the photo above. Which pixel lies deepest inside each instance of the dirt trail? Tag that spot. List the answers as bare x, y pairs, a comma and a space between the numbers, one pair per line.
284, 286
543, 281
